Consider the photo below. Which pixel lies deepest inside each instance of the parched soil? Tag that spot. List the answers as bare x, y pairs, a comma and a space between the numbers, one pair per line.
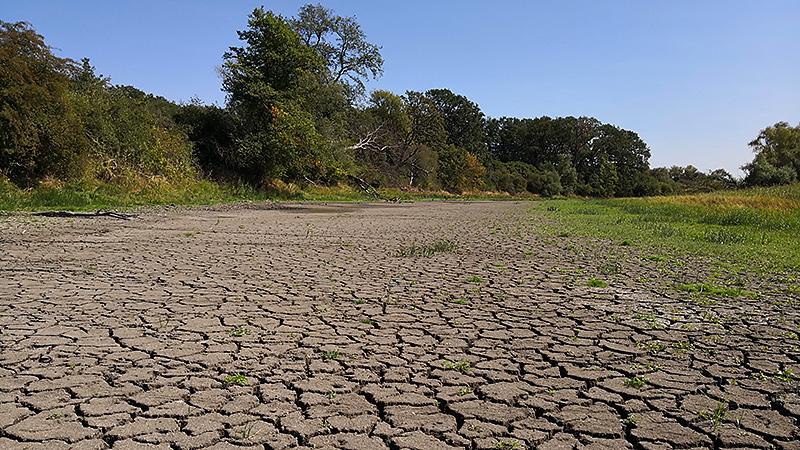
267, 326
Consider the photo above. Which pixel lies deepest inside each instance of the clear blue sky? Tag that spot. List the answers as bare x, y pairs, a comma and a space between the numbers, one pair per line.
696, 79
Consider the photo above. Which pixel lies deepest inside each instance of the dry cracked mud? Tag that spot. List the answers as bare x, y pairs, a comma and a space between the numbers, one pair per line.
267, 326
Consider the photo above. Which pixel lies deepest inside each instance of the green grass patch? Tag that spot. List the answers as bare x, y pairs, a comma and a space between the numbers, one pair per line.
93, 195
331, 355
594, 282
757, 229
715, 291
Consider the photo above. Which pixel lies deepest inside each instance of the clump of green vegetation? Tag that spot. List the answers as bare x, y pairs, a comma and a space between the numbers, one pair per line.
635, 382
510, 444
474, 279
593, 282
652, 346
235, 379
239, 332
331, 355
461, 366
631, 420
717, 415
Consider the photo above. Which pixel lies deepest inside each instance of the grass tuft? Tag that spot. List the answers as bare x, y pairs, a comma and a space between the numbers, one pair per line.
593, 282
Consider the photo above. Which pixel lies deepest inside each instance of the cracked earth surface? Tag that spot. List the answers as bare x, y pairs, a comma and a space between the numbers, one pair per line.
301, 326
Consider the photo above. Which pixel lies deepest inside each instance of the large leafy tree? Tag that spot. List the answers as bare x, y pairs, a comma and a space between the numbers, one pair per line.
459, 170
132, 134
777, 159
267, 81
463, 120
590, 157
274, 67
40, 133
350, 59
400, 137
619, 161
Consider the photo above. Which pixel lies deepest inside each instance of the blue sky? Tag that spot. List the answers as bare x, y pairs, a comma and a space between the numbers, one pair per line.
696, 79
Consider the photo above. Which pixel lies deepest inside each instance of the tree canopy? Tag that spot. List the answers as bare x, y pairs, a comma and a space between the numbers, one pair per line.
777, 159
350, 59
266, 81
591, 158
40, 133
296, 110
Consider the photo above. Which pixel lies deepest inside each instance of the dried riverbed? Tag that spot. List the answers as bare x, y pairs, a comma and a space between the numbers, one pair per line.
300, 326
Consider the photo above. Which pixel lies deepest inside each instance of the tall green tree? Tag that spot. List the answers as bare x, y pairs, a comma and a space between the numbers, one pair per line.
463, 121
40, 133
267, 81
459, 170
777, 159
622, 161
590, 157
350, 59
399, 138
274, 67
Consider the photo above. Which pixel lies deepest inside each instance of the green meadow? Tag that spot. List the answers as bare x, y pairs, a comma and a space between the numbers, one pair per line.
756, 229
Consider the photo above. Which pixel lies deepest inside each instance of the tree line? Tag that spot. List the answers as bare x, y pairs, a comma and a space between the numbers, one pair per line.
297, 110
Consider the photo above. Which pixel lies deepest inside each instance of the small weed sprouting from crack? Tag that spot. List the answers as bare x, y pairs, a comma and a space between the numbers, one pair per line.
507, 444
461, 366
631, 421
331, 355
247, 432
163, 323
718, 415
652, 346
594, 282
239, 332
235, 379
635, 382
784, 375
